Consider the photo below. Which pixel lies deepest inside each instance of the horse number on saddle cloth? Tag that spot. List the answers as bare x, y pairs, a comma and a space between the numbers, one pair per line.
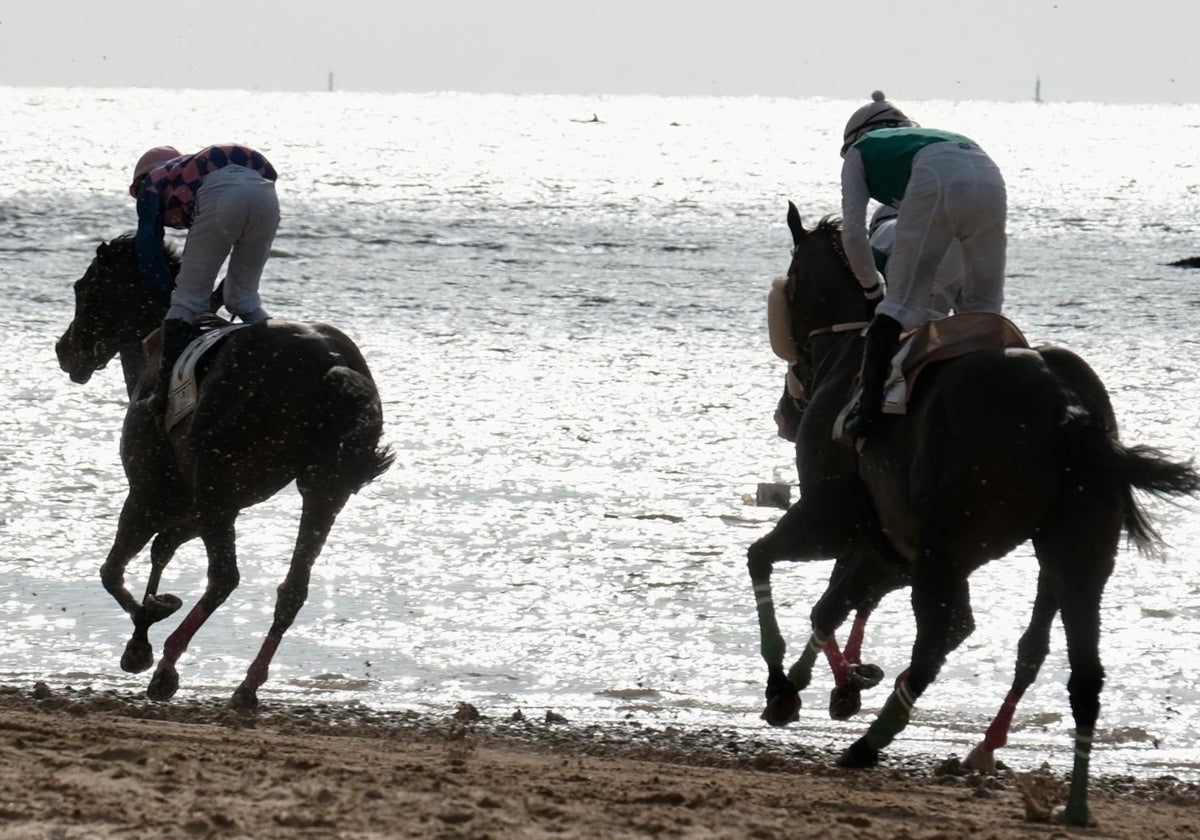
181, 400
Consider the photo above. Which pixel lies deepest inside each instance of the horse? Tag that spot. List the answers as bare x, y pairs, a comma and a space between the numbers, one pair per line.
859, 581
277, 402
997, 448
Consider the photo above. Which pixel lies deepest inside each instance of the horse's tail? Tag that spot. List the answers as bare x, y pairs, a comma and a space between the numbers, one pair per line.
1151, 471
1100, 455
348, 433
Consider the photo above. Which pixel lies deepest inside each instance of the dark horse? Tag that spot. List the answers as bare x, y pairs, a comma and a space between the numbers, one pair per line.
278, 402
997, 447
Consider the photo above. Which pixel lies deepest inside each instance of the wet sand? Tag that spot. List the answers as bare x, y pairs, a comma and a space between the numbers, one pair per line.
77, 764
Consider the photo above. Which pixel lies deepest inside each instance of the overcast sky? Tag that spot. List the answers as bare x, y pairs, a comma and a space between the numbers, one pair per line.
1096, 50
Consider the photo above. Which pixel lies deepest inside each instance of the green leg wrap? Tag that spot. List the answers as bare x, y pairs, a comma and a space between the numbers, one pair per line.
892, 719
1077, 799
772, 646
801, 672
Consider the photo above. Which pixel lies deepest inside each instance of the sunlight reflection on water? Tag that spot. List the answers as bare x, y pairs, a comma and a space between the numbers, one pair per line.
569, 337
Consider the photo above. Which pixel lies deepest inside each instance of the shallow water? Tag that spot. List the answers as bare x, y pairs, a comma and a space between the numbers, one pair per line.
566, 322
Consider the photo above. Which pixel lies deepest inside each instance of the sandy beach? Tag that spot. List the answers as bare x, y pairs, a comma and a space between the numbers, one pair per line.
77, 764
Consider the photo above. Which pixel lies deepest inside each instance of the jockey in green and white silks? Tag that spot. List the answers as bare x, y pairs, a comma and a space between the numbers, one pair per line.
943, 298
946, 190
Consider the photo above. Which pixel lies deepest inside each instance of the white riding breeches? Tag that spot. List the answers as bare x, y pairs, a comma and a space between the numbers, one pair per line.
955, 194
237, 214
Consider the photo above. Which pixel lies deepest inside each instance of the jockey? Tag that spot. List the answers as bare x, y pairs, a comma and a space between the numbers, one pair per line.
946, 285
225, 197
946, 189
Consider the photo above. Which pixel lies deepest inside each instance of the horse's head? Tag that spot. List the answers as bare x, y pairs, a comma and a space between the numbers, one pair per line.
113, 306
823, 296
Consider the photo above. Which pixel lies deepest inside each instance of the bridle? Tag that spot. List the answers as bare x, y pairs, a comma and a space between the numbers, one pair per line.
835, 242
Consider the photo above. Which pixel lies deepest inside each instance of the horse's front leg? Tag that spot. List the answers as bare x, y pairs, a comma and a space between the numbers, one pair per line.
134, 529
858, 581
217, 531
316, 520
794, 537
850, 676
139, 655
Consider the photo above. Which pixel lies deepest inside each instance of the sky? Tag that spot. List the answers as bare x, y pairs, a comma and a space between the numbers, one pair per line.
1103, 51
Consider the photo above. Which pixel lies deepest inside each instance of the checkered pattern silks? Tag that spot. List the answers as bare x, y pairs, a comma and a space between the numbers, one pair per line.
178, 180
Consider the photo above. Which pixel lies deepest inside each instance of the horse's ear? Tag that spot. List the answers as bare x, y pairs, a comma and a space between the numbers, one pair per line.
794, 224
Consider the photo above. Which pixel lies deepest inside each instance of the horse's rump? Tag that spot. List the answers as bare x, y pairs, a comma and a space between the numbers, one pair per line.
985, 447
305, 381
352, 422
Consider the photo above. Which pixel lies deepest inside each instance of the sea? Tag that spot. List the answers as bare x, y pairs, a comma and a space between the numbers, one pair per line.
562, 299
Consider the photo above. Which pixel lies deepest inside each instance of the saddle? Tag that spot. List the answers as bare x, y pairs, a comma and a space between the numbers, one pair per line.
935, 341
942, 339
184, 390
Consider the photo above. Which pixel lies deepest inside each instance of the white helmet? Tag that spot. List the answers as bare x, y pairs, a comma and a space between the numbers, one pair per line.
878, 113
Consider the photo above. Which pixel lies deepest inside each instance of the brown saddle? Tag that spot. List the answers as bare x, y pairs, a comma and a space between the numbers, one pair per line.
941, 339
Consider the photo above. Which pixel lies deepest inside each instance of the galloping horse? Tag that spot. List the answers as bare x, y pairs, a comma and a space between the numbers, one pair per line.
278, 402
996, 448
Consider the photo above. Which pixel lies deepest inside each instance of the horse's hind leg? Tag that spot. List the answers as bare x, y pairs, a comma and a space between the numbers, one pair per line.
217, 531
315, 524
1031, 653
1078, 553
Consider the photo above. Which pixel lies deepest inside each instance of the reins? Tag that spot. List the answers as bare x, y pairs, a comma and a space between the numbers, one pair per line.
839, 328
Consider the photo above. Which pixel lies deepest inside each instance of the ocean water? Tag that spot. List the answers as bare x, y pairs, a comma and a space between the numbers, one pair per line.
566, 320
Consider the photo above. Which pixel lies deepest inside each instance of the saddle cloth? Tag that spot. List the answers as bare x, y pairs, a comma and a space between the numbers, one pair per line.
941, 339
183, 392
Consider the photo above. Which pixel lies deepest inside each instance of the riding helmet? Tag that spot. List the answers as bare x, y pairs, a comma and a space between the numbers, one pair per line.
878, 113
149, 160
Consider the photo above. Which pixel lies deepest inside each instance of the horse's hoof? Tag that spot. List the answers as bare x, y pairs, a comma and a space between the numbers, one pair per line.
163, 684
844, 702
859, 754
157, 607
244, 699
1066, 815
138, 656
782, 709
981, 759
863, 677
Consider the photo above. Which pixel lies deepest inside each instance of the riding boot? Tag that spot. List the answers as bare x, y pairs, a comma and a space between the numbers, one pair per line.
177, 334
883, 338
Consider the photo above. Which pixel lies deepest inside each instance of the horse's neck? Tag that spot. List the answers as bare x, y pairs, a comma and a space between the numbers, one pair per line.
133, 365
829, 351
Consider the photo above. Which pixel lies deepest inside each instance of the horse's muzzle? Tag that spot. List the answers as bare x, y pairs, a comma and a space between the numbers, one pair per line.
70, 360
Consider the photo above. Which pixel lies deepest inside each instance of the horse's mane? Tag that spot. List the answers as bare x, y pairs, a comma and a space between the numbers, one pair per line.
831, 224
125, 243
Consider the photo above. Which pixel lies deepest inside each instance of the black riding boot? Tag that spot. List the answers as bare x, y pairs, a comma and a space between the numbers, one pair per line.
177, 334
883, 338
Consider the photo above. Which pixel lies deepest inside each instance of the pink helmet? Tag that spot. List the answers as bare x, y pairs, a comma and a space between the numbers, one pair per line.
148, 161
